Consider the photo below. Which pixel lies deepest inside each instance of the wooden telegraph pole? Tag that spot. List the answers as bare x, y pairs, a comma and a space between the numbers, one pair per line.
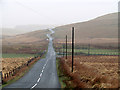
66, 46
88, 49
63, 49
72, 47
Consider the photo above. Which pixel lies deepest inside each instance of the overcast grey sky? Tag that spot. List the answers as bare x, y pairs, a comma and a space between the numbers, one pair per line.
58, 12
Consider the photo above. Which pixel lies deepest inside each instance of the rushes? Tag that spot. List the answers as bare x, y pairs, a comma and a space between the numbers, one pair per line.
91, 72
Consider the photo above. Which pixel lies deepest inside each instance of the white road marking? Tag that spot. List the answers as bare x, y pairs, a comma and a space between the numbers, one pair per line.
45, 63
38, 80
43, 67
42, 71
40, 74
34, 85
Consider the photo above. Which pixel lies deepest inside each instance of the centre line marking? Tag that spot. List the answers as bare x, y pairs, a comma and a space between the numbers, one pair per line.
38, 80
45, 63
40, 74
43, 67
34, 85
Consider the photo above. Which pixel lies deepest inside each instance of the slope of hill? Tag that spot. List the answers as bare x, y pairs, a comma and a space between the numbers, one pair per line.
102, 29
21, 29
27, 38
10, 31
30, 43
33, 27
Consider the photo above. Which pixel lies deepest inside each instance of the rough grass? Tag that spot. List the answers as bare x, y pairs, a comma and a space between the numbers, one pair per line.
20, 73
60, 74
33, 48
91, 72
100, 30
8, 64
13, 55
92, 51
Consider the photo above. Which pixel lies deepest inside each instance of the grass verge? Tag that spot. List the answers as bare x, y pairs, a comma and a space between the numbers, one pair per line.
62, 77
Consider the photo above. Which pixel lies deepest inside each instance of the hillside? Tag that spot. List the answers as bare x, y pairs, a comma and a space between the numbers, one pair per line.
102, 29
21, 29
10, 31
29, 43
27, 38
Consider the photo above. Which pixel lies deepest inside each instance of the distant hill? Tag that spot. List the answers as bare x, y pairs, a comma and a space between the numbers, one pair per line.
31, 43
34, 37
102, 29
21, 29
33, 27
24, 34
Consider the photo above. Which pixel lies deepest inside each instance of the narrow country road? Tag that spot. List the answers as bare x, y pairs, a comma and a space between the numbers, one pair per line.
43, 74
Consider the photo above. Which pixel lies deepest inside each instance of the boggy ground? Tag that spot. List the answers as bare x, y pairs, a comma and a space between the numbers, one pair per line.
89, 72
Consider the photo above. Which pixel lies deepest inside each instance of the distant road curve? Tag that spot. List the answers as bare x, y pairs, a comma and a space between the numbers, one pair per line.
43, 74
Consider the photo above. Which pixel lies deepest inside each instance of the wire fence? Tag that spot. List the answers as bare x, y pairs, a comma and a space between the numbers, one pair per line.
87, 49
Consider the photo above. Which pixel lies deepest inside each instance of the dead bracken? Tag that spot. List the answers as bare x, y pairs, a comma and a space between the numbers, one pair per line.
91, 71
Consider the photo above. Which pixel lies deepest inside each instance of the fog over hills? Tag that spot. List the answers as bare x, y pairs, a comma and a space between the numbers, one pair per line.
27, 38
101, 29
21, 29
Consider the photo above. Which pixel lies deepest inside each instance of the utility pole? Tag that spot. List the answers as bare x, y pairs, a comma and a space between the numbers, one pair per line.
89, 45
59, 50
66, 46
88, 49
72, 47
63, 49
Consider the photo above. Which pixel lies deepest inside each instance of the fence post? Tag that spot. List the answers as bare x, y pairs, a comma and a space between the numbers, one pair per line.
1, 77
72, 47
5, 75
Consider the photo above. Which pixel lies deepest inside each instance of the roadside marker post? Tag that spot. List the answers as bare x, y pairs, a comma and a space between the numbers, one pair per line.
72, 47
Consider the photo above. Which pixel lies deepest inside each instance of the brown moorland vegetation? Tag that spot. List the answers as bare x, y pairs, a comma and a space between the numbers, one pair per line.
8, 64
27, 38
103, 29
25, 48
90, 71
30, 43
15, 67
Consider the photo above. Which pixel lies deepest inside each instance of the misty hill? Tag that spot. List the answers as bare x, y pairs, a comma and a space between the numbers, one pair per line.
101, 29
34, 37
29, 28
21, 29
11, 31
104, 28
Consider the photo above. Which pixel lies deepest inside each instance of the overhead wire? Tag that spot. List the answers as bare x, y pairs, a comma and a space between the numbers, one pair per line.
38, 13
